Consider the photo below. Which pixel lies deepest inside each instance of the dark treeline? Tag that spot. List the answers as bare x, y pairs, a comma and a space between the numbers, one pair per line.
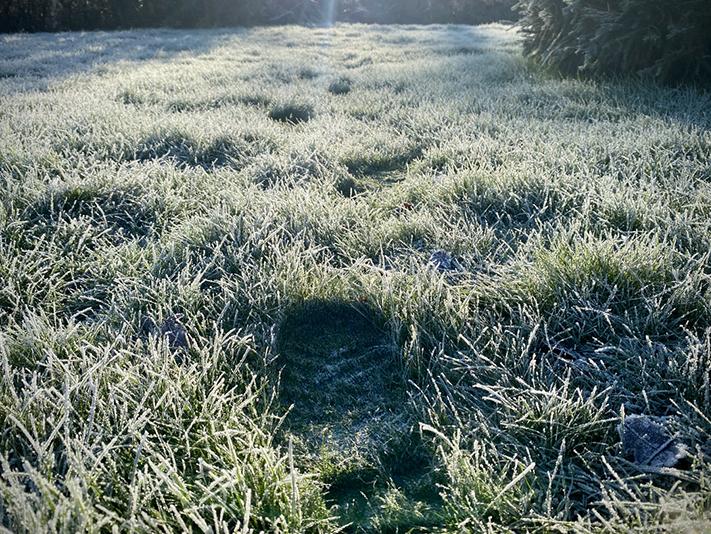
59, 15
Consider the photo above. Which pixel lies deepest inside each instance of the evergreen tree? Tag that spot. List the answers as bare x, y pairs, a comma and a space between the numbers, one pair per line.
668, 40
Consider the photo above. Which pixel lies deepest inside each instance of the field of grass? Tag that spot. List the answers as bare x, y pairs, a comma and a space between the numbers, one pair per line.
378, 279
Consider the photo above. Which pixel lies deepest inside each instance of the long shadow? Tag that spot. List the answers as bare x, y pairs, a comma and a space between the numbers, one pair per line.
31, 60
688, 106
461, 50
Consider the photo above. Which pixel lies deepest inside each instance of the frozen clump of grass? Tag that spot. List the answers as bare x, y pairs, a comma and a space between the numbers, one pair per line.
273, 169
341, 86
137, 96
381, 159
119, 212
292, 113
255, 100
308, 73
185, 150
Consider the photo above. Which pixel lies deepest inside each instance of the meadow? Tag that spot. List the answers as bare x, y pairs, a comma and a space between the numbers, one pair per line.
360, 279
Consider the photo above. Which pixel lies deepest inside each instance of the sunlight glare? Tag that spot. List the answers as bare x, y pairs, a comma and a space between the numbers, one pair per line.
330, 14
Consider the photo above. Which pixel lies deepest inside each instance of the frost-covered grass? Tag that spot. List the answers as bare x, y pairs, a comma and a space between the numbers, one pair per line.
218, 310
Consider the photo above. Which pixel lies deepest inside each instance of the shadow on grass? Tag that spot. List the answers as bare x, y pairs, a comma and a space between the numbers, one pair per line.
49, 58
349, 410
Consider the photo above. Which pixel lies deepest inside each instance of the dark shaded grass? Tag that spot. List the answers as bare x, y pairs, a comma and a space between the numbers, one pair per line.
292, 113
124, 213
